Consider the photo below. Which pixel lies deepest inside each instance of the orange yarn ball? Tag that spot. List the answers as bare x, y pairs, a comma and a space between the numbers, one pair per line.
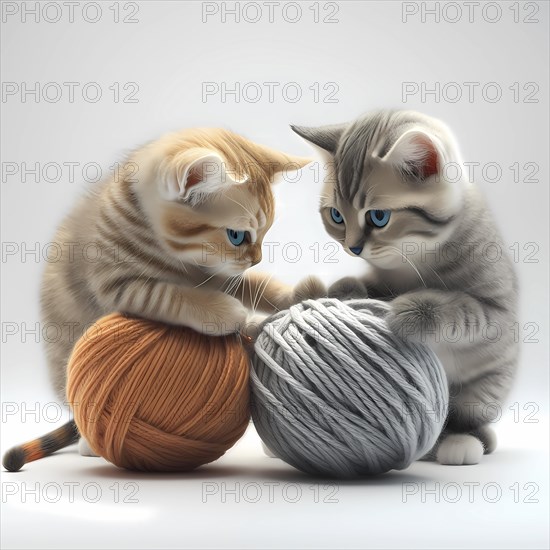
150, 396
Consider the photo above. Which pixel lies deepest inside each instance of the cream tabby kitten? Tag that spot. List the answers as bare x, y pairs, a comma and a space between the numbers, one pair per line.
170, 241
430, 247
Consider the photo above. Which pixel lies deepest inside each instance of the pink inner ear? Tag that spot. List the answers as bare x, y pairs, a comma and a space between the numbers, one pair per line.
430, 166
430, 162
193, 177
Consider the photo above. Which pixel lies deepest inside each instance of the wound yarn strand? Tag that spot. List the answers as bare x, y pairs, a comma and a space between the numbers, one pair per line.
336, 393
156, 397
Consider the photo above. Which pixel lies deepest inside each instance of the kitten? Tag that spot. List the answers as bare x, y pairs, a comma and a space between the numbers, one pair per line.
391, 198
169, 240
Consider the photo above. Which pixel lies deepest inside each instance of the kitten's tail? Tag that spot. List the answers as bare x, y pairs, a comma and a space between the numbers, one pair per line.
42, 446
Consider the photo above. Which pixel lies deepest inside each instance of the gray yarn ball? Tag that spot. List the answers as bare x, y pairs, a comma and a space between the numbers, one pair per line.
336, 393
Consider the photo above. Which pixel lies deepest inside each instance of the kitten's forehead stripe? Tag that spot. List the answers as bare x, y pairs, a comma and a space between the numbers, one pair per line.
179, 227
428, 216
371, 134
361, 198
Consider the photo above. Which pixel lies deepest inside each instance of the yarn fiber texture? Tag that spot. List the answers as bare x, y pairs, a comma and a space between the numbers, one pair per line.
336, 393
155, 397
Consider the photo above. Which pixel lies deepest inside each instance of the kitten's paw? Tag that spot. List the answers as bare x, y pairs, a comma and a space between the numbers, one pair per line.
309, 288
488, 438
347, 289
414, 320
84, 448
459, 450
223, 315
253, 325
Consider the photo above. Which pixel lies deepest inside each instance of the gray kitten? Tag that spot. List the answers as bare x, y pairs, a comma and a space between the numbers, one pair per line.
392, 198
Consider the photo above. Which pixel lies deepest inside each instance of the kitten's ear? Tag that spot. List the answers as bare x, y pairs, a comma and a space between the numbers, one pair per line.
325, 137
417, 154
276, 162
194, 173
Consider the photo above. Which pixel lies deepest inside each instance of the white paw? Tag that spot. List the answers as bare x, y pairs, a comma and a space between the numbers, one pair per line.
268, 451
488, 437
459, 450
84, 448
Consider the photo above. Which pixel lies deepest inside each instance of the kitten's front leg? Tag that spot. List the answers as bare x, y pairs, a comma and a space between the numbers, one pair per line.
481, 378
309, 288
209, 312
473, 406
349, 288
439, 315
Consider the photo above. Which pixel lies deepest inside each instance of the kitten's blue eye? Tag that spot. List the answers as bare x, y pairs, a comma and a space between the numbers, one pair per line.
336, 216
379, 218
236, 237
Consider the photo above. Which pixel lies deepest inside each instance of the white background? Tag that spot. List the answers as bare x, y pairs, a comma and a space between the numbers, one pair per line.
368, 53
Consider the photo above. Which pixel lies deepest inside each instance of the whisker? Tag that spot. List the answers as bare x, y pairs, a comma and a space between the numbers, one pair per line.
211, 276
242, 206
411, 264
437, 275
234, 284
261, 291
240, 280
250, 294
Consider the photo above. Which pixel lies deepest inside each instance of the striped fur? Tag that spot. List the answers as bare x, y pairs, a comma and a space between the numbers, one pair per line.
154, 242
432, 259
